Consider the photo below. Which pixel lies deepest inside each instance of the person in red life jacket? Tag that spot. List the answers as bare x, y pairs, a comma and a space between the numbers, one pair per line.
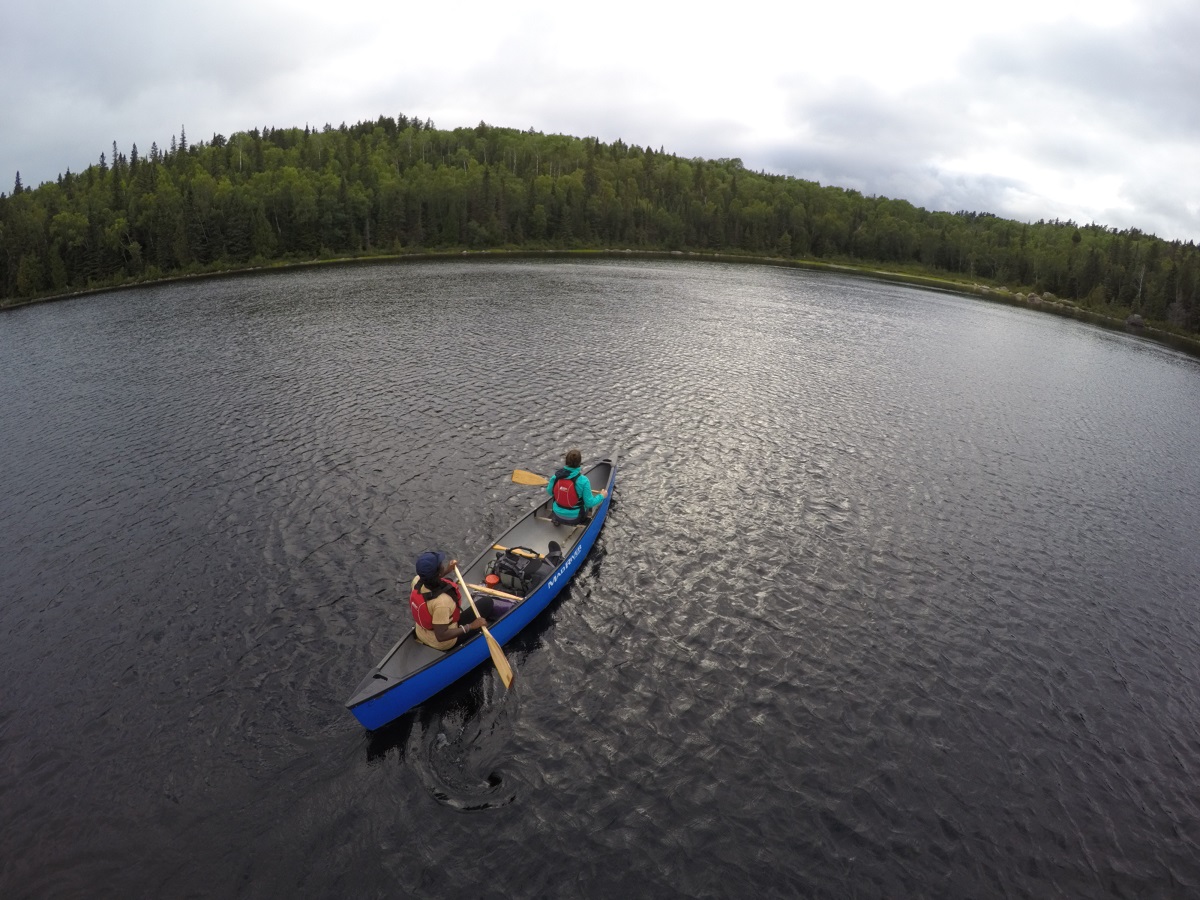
572, 492
441, 622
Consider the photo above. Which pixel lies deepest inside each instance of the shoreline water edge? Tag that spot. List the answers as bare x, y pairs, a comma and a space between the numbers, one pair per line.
1046, 302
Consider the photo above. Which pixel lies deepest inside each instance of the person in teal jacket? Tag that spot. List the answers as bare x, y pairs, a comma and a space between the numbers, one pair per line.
572, 492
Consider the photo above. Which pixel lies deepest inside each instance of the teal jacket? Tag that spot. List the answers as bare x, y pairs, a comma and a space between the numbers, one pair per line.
583, 488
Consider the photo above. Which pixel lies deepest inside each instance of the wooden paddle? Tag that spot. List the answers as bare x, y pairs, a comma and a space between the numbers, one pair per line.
503, 669
484, 589
518, 551
520, 476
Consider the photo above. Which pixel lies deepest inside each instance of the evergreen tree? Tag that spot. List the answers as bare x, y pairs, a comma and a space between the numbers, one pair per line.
401, 183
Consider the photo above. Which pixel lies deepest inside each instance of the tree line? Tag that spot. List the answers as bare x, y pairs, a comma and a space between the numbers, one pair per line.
401, 185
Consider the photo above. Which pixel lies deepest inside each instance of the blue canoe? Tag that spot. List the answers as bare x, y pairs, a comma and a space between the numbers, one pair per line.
411, 672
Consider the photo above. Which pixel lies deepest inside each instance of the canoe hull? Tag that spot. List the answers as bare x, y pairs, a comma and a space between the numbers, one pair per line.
411, 673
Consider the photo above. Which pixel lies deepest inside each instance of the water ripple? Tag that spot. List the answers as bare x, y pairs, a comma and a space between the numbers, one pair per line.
896, 598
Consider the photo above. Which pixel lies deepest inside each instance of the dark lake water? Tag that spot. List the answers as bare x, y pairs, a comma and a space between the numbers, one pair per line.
899, 595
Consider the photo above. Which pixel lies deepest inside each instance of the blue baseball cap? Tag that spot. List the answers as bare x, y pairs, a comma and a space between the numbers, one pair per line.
429, 563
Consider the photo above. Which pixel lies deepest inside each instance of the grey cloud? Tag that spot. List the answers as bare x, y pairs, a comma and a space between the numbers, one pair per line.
1073, 98
886, 172
1145, 74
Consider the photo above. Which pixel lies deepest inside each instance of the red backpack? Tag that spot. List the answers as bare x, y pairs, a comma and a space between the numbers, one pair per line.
565, 493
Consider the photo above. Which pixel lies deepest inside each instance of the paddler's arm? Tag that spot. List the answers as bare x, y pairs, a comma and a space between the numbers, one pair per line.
452, 630
590, 499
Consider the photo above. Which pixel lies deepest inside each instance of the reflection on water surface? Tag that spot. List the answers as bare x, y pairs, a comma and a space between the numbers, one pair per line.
897, 596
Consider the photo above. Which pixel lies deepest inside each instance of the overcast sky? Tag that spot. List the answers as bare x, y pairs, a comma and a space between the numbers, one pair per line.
1031, 109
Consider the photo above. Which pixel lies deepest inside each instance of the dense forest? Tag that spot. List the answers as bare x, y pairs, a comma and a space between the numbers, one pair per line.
398, 186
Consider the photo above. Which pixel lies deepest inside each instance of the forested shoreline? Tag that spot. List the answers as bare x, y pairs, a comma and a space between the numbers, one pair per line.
402, 186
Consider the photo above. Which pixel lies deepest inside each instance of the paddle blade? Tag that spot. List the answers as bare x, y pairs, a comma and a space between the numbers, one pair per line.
503, 669
520, 476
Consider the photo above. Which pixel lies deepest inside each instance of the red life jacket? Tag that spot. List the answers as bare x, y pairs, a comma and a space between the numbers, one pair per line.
418, 602
565, 493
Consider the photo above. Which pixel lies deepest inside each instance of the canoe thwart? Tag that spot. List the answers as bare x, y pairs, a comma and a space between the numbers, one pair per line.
484, 589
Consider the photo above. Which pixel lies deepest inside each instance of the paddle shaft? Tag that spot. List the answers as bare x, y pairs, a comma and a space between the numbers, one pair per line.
470, 599
503, 669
